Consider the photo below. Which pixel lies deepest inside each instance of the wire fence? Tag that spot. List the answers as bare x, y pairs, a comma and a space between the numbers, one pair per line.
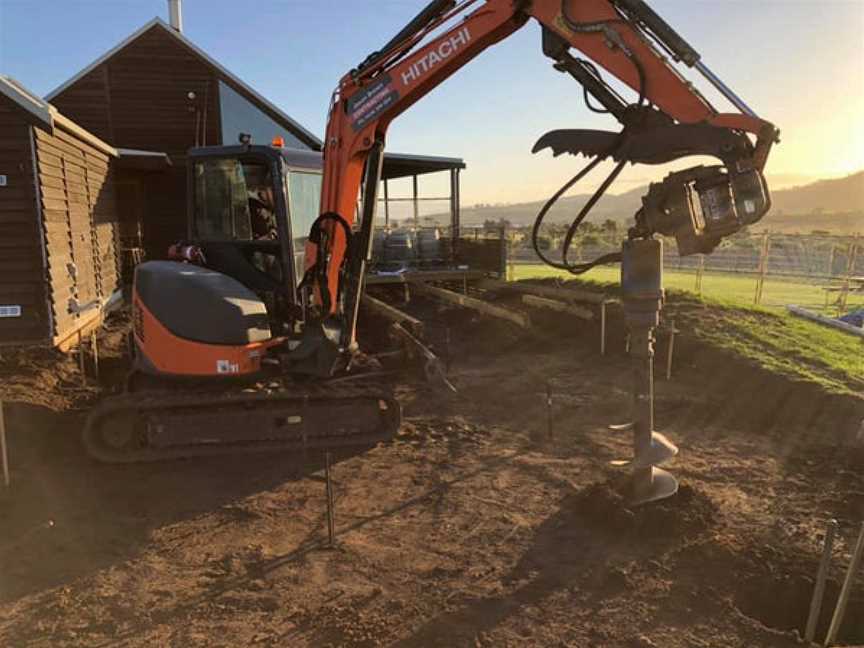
821, 272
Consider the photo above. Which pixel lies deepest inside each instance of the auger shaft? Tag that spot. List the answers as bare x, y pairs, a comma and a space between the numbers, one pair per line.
642, 287
642, 354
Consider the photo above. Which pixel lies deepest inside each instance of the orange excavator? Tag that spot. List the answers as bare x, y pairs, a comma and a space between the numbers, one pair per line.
311, 341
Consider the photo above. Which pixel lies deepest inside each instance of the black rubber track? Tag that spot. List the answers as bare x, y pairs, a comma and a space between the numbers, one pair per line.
255, 405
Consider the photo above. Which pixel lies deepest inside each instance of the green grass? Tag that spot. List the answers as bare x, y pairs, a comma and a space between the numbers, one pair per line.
730, 289
785, 344
767, 335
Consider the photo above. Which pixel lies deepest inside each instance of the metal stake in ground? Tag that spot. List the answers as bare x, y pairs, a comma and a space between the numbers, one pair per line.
642, 288
821, 576
331, 514
81, 361
548, 410
5, 456
94, 348
846, 590
671, 349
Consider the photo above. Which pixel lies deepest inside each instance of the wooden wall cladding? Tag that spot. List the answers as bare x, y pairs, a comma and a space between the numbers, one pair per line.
22, 276
81, 232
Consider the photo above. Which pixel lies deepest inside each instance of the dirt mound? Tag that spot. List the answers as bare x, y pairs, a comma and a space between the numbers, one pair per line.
49, 378
687, 514
42, 377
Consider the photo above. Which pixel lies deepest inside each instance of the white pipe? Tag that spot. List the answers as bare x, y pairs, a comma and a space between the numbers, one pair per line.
106, 305
827, 321
175, 15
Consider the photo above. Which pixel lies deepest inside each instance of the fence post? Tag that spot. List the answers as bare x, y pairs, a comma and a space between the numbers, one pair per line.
700, 270
828, 287
508, 252
847, 279
763, 267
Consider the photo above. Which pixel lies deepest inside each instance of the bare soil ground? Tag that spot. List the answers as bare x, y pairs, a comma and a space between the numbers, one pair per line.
474, 527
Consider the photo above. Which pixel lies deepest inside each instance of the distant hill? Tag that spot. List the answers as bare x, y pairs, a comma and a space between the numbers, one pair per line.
835, 205
836, 195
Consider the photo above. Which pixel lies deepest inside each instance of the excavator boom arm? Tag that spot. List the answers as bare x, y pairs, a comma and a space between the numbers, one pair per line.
624, 37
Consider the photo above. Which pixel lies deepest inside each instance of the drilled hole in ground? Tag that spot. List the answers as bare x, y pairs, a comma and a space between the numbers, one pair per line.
784, 604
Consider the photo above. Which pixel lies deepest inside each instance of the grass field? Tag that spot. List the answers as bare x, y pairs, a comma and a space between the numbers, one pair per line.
767, 335
786, 344
737, 290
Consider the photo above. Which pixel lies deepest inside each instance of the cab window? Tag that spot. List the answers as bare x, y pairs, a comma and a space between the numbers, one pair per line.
234, 200
304, 199
304, 195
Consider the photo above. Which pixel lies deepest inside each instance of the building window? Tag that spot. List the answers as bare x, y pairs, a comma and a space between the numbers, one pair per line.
241, 116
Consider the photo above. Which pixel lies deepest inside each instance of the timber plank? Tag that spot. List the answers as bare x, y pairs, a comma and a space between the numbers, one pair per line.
551, 292
558, 306
16, 206
53, 204
521, 319
392, 313
15, 216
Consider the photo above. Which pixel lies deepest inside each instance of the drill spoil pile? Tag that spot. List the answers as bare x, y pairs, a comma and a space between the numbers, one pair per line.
492, 519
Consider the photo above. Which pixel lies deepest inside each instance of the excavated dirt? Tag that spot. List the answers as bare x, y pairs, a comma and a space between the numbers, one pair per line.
488, 521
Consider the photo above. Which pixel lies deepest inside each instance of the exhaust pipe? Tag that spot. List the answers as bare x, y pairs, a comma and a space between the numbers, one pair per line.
175, 15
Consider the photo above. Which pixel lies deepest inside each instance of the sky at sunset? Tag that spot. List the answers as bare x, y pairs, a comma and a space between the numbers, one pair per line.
798, 63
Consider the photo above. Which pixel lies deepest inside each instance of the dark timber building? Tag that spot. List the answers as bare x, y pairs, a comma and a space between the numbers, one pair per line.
95, 174
60, 225
157, 90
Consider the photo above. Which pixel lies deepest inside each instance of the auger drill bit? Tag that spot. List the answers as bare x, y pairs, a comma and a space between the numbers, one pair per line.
642, 287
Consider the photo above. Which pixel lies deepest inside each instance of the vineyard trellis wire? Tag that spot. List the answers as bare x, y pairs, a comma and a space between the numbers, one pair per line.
832, 265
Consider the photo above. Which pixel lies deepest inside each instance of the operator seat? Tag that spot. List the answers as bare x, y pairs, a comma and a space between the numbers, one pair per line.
233, 260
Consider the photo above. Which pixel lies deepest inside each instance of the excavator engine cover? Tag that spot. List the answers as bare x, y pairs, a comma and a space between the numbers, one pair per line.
193, 321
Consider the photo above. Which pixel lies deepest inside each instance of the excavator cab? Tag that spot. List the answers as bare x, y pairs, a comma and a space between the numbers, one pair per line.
230, 291
226, 311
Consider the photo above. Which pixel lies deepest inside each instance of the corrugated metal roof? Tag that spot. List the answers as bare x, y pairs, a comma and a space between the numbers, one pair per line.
231, 78
24, 99
401, 165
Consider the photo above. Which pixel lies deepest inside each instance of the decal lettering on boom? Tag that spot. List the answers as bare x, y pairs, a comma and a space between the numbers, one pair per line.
444, 51
368, 103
